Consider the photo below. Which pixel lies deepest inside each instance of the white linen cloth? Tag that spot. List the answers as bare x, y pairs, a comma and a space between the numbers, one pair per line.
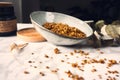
14, 64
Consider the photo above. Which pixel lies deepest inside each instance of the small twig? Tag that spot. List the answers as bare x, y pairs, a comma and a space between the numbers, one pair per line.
18, 46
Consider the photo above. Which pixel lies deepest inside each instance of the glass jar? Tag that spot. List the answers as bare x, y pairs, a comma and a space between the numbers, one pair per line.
8, 22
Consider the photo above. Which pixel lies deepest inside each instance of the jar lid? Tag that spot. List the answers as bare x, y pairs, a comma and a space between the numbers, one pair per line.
6, 9
5, 4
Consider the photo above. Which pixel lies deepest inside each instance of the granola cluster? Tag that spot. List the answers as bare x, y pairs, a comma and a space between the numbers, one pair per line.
64, 30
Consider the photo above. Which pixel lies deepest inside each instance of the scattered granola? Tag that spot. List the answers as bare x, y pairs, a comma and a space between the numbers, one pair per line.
55, 71
46, 56
100, 76
56, 51
111, 78
61, 79
32, 53
101, 52
74, 76
29, 61
47, 67
42, 74
113, 72
72, 63
75, 51
71, 53
93, 70
35, 66
26, 72
40, 62
62, 61
112, 62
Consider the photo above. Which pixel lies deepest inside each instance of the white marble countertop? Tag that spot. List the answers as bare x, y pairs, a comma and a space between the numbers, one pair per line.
31, 62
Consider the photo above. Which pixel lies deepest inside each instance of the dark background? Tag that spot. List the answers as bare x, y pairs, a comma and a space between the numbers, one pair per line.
108, 10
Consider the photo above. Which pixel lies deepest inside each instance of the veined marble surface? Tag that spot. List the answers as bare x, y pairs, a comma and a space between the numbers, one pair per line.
38, 61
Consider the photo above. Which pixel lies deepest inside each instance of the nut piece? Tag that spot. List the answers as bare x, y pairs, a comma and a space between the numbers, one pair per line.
26, 72
57, 51
111, 63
